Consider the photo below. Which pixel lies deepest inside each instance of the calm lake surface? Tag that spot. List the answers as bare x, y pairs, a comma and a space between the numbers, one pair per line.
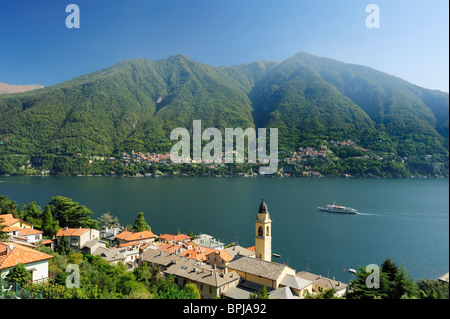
406, 220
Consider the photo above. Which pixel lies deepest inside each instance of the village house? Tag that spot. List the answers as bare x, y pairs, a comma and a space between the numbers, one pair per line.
198, 253
27, 235
211, 282
128, 236
236, 251
219, 258
321, 284
127, 253
158, 258
20, 231
208, 241
266, 273
109, 235
172, 249
36, 262
178, 240
12, 223
83, 240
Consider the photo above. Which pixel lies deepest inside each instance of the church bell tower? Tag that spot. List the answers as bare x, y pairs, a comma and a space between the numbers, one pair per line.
263, 234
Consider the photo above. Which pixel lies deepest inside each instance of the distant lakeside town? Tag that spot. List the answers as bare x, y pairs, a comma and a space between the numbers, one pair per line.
326, 159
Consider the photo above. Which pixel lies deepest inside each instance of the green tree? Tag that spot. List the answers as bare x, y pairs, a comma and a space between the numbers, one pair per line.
143, 274
107, 220
359, 289
260, 294
432, 289
390, 269
71, 214
3, 235
32, 213
192, 291
403, 285
326, 294
49, 227
63, 245
7, 206
19, 274
140, 224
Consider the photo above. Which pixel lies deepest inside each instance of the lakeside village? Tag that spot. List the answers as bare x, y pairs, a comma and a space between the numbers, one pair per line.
118, 262
215, 269
328, 159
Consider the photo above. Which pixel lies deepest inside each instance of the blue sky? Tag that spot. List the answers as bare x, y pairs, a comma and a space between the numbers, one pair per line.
37, 47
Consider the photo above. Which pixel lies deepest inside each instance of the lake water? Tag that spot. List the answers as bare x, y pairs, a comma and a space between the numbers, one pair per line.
406, 220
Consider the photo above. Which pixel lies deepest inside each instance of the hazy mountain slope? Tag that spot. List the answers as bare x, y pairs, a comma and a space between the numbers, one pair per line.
11, 88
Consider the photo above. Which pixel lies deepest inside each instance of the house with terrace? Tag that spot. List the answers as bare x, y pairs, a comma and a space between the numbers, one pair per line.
27, 235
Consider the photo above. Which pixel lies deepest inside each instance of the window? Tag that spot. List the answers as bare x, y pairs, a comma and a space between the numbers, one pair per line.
260, 231
267, 232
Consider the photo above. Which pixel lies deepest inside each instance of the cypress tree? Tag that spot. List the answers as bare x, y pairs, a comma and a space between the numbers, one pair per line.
140, 224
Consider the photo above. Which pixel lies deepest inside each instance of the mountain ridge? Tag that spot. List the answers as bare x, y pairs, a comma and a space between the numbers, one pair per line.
134, 104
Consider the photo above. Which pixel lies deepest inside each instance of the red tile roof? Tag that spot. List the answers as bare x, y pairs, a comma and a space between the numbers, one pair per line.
8, 219
180, 237
131, 236
19, 254
29, 231
222, 253
71, 231
131, 243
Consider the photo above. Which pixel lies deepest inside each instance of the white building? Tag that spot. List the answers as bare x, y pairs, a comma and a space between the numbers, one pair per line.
36, 262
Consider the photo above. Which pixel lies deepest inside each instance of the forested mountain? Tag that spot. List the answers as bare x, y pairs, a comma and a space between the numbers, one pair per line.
135, 104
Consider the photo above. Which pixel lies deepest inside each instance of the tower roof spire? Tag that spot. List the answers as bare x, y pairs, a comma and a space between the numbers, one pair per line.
263, 207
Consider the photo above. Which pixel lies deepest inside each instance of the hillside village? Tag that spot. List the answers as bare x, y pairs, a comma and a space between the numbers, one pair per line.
300, 159
322, 158
218, 270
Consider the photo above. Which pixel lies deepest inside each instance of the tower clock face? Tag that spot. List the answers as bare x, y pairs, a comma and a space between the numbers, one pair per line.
260, 231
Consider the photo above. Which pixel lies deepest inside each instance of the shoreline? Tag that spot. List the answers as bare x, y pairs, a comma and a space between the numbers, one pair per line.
230, 176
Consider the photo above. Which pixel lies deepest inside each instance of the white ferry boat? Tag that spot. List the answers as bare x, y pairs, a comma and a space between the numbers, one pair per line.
338, 209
